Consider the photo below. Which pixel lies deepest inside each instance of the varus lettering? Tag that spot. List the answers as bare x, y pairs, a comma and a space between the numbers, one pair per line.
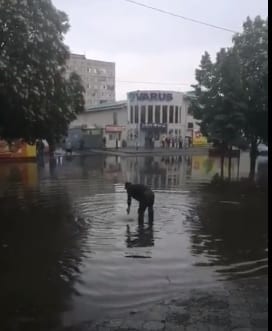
153, 96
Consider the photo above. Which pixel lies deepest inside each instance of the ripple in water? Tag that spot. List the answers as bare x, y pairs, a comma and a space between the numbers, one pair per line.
69, 228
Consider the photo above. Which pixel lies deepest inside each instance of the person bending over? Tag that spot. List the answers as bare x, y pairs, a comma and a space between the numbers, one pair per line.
144, 195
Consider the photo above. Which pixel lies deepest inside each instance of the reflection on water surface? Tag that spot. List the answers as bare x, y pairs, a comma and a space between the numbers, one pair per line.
69, 252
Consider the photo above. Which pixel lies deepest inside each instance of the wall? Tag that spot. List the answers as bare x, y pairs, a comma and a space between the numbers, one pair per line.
82, 139
102, 118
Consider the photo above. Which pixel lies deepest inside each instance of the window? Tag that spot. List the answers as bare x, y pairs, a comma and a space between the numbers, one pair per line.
131, 114
176, 114
179, 114
164, 114
110, 87
114, 118
150, 114
143, 114
157, 114
190, 125
171, 115
136, 114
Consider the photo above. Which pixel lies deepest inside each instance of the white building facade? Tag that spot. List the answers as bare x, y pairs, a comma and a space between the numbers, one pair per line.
154, 115
98, 78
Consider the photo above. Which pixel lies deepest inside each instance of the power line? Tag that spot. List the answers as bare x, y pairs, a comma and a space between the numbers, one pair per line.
180, 16
154, 83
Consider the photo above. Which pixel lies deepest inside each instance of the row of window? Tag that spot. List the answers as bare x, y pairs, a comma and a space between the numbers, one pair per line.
140, 113
97, 71
94, 101
102, 87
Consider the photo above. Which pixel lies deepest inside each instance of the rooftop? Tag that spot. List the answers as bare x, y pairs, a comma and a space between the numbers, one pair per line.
107, 106
83, 57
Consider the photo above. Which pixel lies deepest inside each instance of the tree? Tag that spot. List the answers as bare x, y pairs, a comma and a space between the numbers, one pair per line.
69, 95
37, 99
231, 94
214, 103
251, 47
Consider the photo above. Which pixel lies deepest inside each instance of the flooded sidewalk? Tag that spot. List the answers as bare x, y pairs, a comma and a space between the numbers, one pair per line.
130, 151
241, 305
72, 259
142, 151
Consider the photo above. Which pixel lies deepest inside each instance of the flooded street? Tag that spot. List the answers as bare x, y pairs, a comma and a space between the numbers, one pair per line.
69, 252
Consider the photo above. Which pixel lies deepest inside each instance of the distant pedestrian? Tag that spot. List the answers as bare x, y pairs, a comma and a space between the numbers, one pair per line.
58, 155
68, 147
40, 151
180, 142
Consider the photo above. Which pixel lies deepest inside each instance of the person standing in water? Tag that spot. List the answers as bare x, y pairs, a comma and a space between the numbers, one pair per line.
144, 195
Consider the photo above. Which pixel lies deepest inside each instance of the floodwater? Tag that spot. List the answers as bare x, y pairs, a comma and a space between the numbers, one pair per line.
70, 253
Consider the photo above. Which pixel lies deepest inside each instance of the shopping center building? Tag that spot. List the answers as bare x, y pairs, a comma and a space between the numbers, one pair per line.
154, 115
146, 119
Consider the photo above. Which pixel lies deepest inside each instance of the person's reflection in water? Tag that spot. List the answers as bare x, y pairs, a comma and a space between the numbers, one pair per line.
142, 237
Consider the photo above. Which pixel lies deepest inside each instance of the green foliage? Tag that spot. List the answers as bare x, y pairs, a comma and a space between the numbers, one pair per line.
215, 103
251, 47
231, 94
37, 99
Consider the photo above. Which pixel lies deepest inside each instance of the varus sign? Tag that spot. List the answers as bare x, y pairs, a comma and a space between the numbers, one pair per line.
150, 96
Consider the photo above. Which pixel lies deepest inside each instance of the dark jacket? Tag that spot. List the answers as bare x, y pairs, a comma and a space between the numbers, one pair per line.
140, 193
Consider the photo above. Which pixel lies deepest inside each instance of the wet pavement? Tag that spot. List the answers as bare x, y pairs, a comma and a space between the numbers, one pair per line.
131, 151
242, 306
72, 259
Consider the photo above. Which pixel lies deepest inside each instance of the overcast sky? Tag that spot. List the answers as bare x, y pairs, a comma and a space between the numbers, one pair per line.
148, 46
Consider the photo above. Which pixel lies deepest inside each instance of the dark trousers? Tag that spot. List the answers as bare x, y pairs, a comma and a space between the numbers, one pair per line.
147, 202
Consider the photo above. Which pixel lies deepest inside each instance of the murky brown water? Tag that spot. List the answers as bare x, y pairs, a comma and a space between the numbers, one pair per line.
69, 252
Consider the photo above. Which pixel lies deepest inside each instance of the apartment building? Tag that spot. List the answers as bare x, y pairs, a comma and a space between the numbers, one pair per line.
98, 78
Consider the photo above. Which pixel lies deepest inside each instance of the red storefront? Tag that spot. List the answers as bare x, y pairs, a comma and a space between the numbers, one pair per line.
114, 135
